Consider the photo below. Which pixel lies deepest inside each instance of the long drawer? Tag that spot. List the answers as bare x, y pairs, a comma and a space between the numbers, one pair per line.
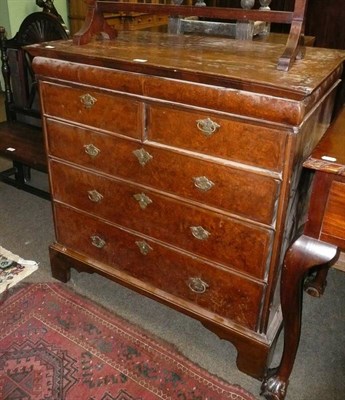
238, 245
109, 112
201, 285
232, 190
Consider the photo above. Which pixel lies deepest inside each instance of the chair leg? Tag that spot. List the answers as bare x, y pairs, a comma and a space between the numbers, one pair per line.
19, 174
27, 173
22, 175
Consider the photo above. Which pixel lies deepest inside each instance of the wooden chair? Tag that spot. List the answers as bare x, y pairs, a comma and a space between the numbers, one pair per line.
21, 136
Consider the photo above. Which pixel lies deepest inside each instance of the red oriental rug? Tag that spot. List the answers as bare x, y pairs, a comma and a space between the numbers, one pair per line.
57, 345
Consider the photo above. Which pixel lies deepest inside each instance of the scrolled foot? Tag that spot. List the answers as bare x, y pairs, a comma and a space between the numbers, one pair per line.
315, 285
273, 387
314, 289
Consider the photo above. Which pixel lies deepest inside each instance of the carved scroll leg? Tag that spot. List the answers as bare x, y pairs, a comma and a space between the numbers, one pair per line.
304, 254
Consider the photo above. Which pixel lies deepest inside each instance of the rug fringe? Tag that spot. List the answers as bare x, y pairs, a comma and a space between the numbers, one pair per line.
11, 275
10, 290
4, 295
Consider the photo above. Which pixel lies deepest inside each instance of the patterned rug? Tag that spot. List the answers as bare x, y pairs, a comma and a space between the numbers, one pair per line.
13, 269
55, 344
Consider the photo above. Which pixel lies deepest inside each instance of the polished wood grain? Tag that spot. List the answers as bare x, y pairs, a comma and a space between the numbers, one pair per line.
231, 243
105, 111
201, 59
264, 124
170, 171
234, 140
227, 295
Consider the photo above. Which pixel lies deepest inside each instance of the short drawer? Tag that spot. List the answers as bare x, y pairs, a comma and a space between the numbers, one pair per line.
241, 246
205, 288
235, 191
218, 136
109, 112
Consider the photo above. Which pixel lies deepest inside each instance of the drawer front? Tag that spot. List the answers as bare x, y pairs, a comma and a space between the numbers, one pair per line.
240, 192
215, 135
208, 234
203, 286
111, 113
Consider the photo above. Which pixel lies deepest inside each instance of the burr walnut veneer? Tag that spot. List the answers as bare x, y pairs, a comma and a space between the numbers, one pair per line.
175, 169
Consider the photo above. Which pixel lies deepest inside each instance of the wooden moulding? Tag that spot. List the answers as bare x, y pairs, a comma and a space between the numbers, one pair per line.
96, 25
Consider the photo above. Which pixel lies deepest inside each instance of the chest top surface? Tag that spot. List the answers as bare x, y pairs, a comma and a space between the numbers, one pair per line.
243, 65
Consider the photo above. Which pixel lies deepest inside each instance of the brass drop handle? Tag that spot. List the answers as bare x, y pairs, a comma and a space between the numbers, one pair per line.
143, 156
94, 196
91, 150
98, 241
199, 232
142, 199
144, 247
87, 100
207, 126
197, 285
203, 183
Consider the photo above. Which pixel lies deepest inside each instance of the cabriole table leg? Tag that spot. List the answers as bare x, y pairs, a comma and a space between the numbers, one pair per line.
302, 255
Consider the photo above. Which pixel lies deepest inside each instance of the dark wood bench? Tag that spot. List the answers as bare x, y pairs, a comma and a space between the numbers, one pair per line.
21, 136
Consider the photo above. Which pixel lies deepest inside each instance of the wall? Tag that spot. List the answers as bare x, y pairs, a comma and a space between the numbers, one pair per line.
325, 19
12, 13
4, 18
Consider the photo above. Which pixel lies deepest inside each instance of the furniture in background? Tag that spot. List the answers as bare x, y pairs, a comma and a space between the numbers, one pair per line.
136, 20
21, 137
317, 248
95, 21
182, 159
77, 10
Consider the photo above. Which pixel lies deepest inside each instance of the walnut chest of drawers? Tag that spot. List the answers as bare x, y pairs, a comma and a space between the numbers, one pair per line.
175, 169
